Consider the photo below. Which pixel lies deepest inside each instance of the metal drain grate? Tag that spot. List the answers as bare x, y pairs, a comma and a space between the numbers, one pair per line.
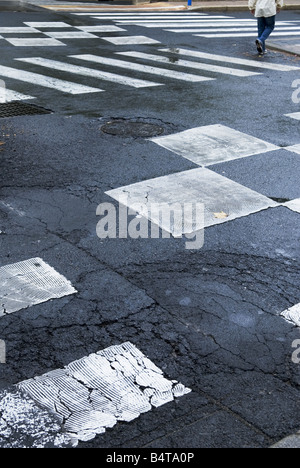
16, 109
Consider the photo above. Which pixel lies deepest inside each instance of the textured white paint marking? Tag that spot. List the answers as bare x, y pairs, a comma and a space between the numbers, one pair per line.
107, 76
189, 64
24, 425
227, 59
71, 35
293, 205
89, 395
124, 40
28, 283
143, 68
294, 148
154, 17
101, 29
288, 33
213, 144
46, 81
226, 29
34, 42
49, 24
21, 30
217, 193
292, 315
294, 115
7, 95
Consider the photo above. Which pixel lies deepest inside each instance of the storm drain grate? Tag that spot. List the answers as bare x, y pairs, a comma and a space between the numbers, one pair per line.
16, 109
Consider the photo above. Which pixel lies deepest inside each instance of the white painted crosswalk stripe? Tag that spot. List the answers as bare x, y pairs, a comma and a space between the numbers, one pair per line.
223, 35
227, 29
28, 283
46, 81
232, 60
107, 76
86, 397
164, 72
190, 64
8, 95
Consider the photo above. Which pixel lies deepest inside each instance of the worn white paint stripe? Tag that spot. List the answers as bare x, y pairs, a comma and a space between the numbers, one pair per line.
190, 64
142, 68
123, 40
213, 144
216, 193
293, 205
235, 60
288, 33
294, 148
46, 81
207, 21
292, 315
29, 283
155, 17
34, 42
101, 29
71, 35
191, 24
137, 14
19, 30
7, 95
228, 29
106, 76
48, 24
294, 115
92, 394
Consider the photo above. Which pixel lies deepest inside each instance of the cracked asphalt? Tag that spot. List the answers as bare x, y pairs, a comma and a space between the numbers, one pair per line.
208, 318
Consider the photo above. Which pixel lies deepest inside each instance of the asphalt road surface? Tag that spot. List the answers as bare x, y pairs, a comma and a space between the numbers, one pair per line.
148, 111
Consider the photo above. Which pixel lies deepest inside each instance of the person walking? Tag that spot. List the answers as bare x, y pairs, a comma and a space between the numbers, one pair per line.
265, 11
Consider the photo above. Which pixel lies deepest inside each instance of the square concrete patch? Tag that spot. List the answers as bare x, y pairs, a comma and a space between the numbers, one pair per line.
223, 199
213, 144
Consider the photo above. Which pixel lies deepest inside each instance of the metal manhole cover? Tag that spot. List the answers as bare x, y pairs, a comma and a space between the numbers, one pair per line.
16, 109
132, 128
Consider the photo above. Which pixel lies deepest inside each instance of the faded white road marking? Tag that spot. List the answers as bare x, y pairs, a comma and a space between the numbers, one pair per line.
118, 383
46, 81
213, 144
190, 64
78, 70
34, 42
124, 40
143, 68
29, 283
292, 315
294, 148
288, 33
7, 95
227, 59
228, 29
19, 30
217, 193
100, 28
47, 24
71, 35
294, 115
293, 205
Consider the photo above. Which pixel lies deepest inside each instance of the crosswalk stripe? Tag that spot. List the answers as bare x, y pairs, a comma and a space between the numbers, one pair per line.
142, 68
75, 69
235, 60
229, 29
167, 17
190, 24
223, 35
83, 399
190, 64
7, 95
46, 81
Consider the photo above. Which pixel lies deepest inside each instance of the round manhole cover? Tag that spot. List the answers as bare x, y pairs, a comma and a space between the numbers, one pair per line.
131, 128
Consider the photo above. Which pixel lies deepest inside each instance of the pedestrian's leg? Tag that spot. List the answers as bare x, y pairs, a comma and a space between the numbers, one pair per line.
261, 25
269, 28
